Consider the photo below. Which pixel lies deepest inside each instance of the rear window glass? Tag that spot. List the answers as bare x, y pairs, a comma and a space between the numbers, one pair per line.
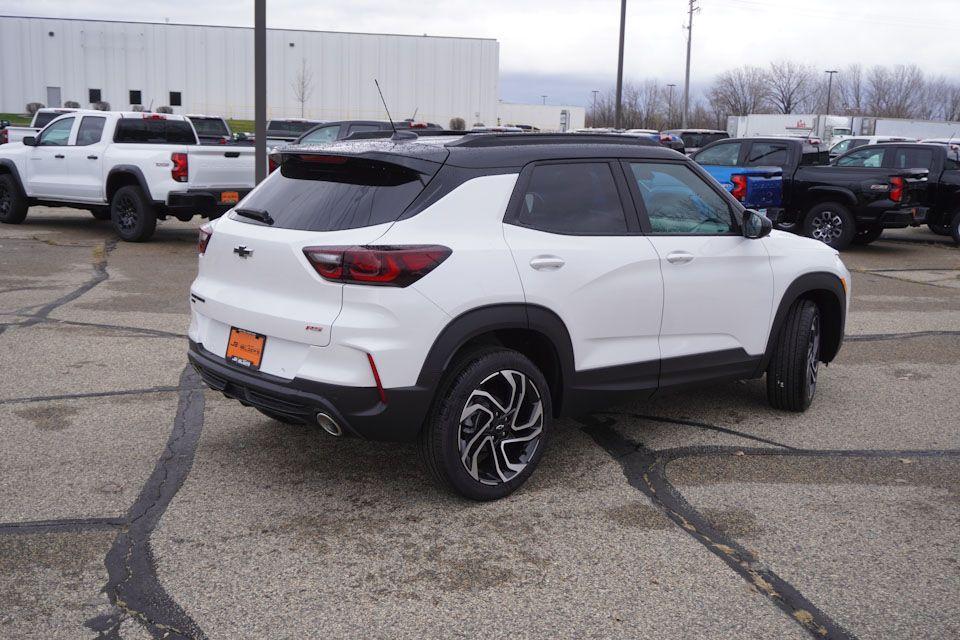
149, 131
209, 126
814, 156
290, 126
697, 140
325, 196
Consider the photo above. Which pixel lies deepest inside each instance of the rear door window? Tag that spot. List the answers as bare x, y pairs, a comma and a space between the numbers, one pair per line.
90, 131
573, 198
331, 193
767, 154
154, 131
725, 154
869, 157
912, 158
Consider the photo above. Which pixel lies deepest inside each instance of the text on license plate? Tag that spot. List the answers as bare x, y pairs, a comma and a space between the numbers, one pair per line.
245, 348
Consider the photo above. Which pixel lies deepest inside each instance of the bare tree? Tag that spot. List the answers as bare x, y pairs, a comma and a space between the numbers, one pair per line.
791, 84
894, 92
741, 91
851, 90
303, 85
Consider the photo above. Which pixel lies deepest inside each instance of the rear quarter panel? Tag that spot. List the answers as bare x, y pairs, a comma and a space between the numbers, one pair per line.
154, 162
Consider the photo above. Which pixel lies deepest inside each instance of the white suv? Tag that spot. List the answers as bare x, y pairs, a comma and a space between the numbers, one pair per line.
464, 292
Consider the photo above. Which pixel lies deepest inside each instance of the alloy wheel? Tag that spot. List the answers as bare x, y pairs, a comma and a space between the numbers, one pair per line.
126, 210
6, 199
813, 355
501, 427
826, 226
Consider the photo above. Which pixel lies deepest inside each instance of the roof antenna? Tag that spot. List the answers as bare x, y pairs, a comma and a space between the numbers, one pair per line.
397, 136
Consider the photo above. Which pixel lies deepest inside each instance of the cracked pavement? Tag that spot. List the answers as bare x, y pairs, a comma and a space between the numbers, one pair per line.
136, 504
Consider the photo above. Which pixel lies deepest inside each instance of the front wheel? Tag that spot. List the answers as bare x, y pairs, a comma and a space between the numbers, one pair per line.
13, 206
488, 427
792, 372
132, 214
830, 223
866, 235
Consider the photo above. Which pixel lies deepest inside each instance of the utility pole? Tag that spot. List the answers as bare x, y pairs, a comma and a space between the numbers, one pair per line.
260, 88
670, 104
686, 85
593, 112
618, 118
829, 88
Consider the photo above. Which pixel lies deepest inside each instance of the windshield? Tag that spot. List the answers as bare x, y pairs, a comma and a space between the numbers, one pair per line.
210, 127
330, 193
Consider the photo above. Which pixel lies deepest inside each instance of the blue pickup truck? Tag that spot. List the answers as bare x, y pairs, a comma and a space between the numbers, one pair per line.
755, 182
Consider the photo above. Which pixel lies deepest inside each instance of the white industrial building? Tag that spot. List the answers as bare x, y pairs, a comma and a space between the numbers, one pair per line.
546, 117
207, 69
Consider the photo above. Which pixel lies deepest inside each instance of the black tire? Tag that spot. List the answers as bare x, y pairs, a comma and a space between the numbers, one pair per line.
939, 229
830, 223
132, 214
450, 435
101, 214
13, 204
792, 372
955, 228
866, 235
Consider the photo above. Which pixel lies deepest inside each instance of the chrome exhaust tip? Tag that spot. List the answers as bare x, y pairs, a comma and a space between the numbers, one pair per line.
329, 425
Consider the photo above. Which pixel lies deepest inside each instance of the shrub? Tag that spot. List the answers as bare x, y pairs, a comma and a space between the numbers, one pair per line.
136, 107
33, 107
101, 106
164, 109
70, 104
458, 124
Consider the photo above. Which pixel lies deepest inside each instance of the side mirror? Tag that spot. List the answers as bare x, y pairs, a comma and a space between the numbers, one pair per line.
30, 141
755, 224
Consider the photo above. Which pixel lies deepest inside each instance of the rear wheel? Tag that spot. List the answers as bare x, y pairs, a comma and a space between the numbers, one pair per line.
792, 372
488, 427
939, 229
866, 235
132, 214
955, 228
13, 204
830, 223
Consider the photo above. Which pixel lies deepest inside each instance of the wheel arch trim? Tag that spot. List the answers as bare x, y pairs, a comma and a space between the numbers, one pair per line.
124, 170
11, 167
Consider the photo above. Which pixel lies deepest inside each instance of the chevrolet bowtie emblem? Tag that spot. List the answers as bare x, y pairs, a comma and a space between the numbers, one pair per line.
243, 252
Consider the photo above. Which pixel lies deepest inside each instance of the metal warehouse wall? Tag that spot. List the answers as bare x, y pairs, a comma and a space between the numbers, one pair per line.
212, 67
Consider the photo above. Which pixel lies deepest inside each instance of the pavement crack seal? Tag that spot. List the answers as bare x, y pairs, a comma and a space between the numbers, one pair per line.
645, 470
869, 337
96, 394
65, 525
133, 586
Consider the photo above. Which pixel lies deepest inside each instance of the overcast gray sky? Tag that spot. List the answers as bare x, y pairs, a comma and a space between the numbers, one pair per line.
564, 48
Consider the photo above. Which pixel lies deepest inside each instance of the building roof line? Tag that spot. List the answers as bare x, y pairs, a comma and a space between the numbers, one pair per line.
224, 26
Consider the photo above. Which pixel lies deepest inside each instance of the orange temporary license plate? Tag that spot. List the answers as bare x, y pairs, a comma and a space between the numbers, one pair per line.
229, 197
245, 348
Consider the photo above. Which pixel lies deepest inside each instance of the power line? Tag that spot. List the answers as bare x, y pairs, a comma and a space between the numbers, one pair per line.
832, 15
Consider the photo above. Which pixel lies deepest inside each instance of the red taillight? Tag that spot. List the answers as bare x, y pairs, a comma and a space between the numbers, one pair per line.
322, 159
3, 136
154, 116
739, 187
223, 140
389, 266
272, 165
180, 171
896, 188
206, 232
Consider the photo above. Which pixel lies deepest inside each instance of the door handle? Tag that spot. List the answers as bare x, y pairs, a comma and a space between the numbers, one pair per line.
547, 263
91, 157
679, 257
59, 156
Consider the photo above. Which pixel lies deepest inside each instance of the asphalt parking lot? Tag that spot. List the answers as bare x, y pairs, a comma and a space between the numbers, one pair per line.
135, 504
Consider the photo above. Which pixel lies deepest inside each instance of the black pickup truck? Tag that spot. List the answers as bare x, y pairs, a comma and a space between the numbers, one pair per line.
941, 195
853, 200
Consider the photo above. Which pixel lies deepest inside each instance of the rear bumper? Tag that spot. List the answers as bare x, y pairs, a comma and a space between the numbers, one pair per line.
202, 201
358, 410
900, 218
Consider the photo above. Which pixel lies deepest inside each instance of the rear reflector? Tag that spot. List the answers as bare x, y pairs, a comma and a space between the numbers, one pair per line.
376, 378
206, 232
388, 266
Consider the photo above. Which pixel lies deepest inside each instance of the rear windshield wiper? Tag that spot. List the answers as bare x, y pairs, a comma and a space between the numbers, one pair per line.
256, 214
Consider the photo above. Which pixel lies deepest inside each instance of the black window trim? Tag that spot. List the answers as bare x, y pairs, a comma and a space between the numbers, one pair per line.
512, 215
735, 208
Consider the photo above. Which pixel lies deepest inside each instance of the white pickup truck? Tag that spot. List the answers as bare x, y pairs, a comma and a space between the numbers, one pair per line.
131, 168
41, 119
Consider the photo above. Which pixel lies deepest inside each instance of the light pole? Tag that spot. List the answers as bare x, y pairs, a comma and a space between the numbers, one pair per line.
670, 105
260, 89
829, 88
543, 99
618, 118
593, 112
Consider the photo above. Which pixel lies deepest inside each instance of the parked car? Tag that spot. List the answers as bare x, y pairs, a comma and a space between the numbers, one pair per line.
852, 142
695, 139
40, 119
131, 168
282, 131
332, 131
852, 201
941, 194
463, 293
669, 140
211, 129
